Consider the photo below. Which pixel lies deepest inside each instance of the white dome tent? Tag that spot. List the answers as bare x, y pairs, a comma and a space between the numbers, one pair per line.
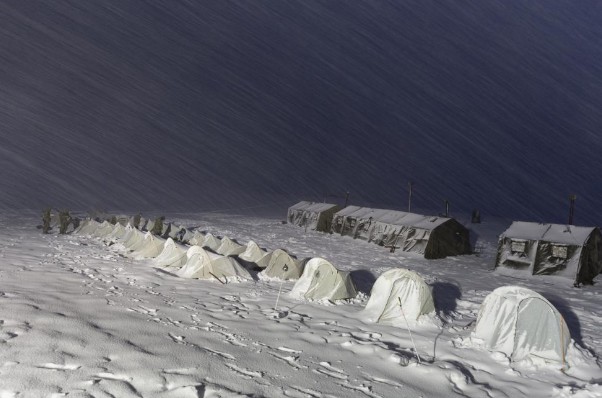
396, 290
521, 323
173, 255
322, 281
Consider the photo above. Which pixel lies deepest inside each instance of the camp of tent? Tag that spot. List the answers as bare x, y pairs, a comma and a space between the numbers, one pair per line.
525, 248
513, 320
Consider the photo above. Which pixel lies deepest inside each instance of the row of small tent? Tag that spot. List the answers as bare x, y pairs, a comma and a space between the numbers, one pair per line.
513, 320
568, 251
223, 259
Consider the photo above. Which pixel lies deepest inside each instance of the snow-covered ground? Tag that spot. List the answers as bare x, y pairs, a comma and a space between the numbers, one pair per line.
79, 319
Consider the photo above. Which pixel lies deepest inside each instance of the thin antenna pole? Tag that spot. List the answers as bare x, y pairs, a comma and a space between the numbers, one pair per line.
410, 185
346, 198
572, 199
446, 208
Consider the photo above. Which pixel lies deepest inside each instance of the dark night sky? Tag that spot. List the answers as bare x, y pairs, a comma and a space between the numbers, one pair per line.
209, 105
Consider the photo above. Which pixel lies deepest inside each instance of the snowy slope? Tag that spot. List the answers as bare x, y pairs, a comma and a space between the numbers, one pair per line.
77, 318
205, 105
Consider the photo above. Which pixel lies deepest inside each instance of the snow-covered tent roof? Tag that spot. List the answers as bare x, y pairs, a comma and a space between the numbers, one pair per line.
281, 265
202, 264
87, 227
135, 239
396, 290
173, 255
565, 234
151, 247
312, 215
186, 236
196, 257
103, 229
228, 247
431, 236
118, 232
393, 217
321, 280
544, 249
197, 238
212, 242
253, 253
521, 323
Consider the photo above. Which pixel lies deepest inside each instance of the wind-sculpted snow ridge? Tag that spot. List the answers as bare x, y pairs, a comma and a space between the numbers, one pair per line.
216, 105
79, 319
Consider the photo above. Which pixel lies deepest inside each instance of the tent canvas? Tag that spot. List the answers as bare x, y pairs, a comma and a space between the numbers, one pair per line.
151, 247
173, 255
228, 247
313, 216
184, 235
197, 238
430, 236
196, 257
202, 264
544, 249
395, 291
103, 229
87, 227
521, 323
118, 232
147, 225
281, 265
322, 281
253, 253
211, 242
135, 240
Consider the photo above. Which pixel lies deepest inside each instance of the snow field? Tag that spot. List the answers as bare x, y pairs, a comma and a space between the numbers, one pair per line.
78, 319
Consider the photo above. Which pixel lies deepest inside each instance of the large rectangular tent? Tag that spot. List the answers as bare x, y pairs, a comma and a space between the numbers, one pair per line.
312, 215
431, 236
545, 249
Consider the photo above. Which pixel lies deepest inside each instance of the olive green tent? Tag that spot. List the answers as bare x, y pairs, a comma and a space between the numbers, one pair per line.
313, 216
430, 236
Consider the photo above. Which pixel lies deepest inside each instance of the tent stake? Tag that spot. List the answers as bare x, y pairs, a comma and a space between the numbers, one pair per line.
278, 297
408, 327
285, 269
